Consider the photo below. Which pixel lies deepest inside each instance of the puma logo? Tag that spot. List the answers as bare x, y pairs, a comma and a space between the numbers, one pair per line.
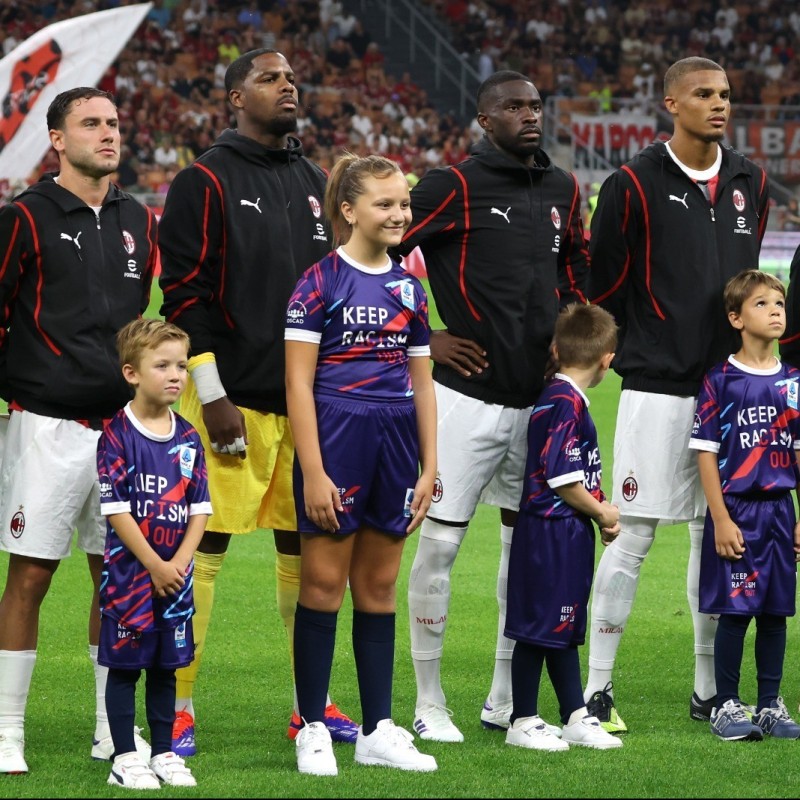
254, 205
75, 240
680, 199
503, 214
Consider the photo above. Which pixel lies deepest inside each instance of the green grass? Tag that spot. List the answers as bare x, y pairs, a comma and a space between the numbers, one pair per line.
243, 697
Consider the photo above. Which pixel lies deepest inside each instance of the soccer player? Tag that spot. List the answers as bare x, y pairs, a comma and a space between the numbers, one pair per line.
240, 226
363, 414
552, 550
670, 228
502, 236
78, 257
747, 436
154, 495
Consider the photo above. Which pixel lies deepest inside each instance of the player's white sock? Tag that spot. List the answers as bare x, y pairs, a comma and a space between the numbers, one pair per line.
500, 692
16, 671
705, 626
185, 704
428, 602
615, 587
101, 729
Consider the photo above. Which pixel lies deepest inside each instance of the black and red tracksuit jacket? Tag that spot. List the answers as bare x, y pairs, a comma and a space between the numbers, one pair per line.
504, 248
240, 225
68, 282
661, 256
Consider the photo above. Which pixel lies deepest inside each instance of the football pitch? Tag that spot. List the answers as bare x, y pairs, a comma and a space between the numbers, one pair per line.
244, 693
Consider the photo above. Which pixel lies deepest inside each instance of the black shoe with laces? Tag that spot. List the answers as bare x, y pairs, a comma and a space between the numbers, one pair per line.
701, 709
601, 705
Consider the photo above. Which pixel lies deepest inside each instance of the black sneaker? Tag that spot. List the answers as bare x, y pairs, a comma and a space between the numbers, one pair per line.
701, 709
601, 705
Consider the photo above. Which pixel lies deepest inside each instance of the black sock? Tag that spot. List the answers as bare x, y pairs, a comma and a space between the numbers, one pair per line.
314, 642
373, 648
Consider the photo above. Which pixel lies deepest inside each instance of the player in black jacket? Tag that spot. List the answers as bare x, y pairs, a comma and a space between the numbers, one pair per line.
240, 226
503, 243
77, 257
671, 227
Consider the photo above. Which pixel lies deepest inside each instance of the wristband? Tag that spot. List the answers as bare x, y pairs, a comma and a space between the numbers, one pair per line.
206, 380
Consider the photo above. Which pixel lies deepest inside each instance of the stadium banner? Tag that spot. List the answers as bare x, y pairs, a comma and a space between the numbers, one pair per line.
774, 145
616, 137
61, 56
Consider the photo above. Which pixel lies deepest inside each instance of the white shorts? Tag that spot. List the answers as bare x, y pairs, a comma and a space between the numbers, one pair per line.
49, 487
481, 454
655, 472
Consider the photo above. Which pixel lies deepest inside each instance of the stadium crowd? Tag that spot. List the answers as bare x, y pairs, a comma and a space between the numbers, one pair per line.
168, 80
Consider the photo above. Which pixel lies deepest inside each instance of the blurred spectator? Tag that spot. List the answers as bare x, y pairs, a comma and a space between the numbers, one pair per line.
791, 215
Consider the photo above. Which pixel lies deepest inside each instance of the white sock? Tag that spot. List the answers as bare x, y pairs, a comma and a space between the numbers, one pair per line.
101, 729
500, 693
184, 704
16, 671
614, 591
705, 626
428, 602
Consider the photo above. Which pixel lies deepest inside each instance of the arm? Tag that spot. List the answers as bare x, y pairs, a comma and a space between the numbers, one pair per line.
573, 256
727, 536
191, 540
12, 231
320, 494
790, 343
462, 355
612, 245
167, 577
604, 514
425, 405
191, 244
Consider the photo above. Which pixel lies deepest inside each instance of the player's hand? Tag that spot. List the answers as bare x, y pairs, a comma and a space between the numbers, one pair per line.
423, 494
226, 428
728, 540
463, 355
167, 578
322, 501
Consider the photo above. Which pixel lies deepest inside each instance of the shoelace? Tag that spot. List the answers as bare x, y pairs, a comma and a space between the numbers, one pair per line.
736, 712
396, 735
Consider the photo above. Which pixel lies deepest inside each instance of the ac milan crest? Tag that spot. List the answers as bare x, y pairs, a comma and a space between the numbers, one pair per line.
129, 242
555, 217
316, 208
630, 488
17, 525
738, 200
438, 491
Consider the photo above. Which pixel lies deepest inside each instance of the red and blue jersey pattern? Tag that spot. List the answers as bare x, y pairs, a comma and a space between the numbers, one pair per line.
161, 481
562, 449
750, 418
367, 323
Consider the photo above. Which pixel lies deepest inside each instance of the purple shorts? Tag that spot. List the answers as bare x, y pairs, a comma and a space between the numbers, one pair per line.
550, 571
764, 579
371, 452
125, 648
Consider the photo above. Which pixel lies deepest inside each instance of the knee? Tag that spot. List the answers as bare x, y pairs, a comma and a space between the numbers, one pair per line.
29, 581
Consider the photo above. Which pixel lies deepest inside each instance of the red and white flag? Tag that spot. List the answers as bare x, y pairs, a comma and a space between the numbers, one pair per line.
66, 54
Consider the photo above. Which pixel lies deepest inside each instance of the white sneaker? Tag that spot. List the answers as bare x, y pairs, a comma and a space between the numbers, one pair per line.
172, 770
432, 722
498, 717
588, 732
315, 750
12, 751
531, 732
391, 746
130, 772
103, 749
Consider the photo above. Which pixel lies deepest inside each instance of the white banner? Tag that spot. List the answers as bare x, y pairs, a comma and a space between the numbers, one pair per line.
66, 54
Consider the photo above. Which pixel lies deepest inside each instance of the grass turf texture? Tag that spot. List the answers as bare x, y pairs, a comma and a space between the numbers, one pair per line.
243, 697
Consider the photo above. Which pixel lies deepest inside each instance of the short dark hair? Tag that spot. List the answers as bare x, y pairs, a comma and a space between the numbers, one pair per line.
238, 70
741, 286
501, 76
686, 66
62, 103
583, 335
